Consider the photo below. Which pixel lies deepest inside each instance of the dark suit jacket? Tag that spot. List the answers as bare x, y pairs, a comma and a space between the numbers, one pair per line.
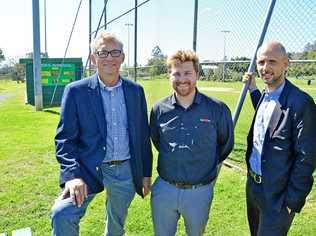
81, 133
289, 149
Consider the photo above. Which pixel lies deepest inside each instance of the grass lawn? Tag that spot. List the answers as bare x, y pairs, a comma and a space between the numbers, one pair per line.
29, 171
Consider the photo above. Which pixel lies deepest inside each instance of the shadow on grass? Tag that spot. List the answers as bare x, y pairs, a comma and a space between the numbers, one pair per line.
52, 111
236, 160
238, 154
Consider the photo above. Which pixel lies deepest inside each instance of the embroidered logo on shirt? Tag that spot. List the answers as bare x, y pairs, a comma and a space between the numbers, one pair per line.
205, 120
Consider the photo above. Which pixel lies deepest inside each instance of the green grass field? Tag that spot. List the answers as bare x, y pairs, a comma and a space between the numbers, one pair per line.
29, 172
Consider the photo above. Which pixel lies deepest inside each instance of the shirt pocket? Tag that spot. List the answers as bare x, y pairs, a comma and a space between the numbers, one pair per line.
204, 133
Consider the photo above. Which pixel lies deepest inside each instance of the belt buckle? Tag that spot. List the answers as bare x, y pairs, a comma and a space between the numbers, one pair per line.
113, 163
183, 185
257, 179
187, 186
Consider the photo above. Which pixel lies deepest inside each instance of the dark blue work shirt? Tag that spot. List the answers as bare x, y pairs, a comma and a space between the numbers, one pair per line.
191, 142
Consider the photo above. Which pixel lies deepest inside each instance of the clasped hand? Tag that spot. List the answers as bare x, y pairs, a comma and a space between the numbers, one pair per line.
76, 189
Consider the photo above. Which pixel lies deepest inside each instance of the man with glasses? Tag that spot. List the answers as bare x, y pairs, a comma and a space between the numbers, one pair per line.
102, 142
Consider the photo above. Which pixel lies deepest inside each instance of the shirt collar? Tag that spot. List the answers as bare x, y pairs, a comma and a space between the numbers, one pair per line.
108, 88
197, 98
276, 93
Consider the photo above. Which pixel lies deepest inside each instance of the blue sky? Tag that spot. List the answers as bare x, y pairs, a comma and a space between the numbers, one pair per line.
166, 23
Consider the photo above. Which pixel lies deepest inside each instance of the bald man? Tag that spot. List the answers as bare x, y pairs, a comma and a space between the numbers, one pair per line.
281, 152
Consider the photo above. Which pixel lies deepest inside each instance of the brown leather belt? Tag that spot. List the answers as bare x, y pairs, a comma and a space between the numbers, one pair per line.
257, 178
186, 186
182, 185
115, 163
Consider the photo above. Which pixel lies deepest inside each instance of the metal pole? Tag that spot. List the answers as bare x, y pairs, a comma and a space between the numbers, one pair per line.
135, 43
90, 29
128, 45
253, 62
224, 57
46, 54
195, 23
95, 35
123, 14
38, 96
105, 2
113, 20
225, 31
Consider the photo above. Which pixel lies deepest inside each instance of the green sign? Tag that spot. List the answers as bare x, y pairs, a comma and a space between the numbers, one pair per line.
57, 74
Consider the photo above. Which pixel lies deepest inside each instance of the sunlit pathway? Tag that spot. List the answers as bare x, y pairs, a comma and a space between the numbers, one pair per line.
5, 96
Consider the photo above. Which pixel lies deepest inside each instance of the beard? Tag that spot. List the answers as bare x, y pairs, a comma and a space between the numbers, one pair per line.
272, 79
184, 88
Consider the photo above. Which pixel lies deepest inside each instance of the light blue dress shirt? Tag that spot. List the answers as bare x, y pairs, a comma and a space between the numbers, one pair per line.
263, 117
117, 140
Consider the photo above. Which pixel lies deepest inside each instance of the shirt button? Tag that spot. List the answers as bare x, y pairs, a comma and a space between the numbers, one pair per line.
104, 148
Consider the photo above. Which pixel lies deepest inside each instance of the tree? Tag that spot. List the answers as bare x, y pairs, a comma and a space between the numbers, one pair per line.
157, 62
303, 69
156, 52
309, 53
12, 68
310, 47
1, 55
30, 55
239, 66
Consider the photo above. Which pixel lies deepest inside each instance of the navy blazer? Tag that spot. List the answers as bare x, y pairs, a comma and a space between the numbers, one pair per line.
81, 133
289, 150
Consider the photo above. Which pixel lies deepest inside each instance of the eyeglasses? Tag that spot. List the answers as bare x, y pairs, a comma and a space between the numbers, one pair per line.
104, 53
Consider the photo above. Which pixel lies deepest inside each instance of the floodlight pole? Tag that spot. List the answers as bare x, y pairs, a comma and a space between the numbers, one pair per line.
105, 2
90, 29
135, 43
251, 67
225, 32
128, 44
38, 96
196, 6
45, 25
224, 57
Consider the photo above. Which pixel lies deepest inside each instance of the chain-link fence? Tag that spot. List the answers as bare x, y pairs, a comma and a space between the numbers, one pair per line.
227, 35
227, 31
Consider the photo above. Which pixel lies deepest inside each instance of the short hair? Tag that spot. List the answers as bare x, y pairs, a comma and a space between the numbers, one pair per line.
181, 56
283, 50
105, 37
276, 45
